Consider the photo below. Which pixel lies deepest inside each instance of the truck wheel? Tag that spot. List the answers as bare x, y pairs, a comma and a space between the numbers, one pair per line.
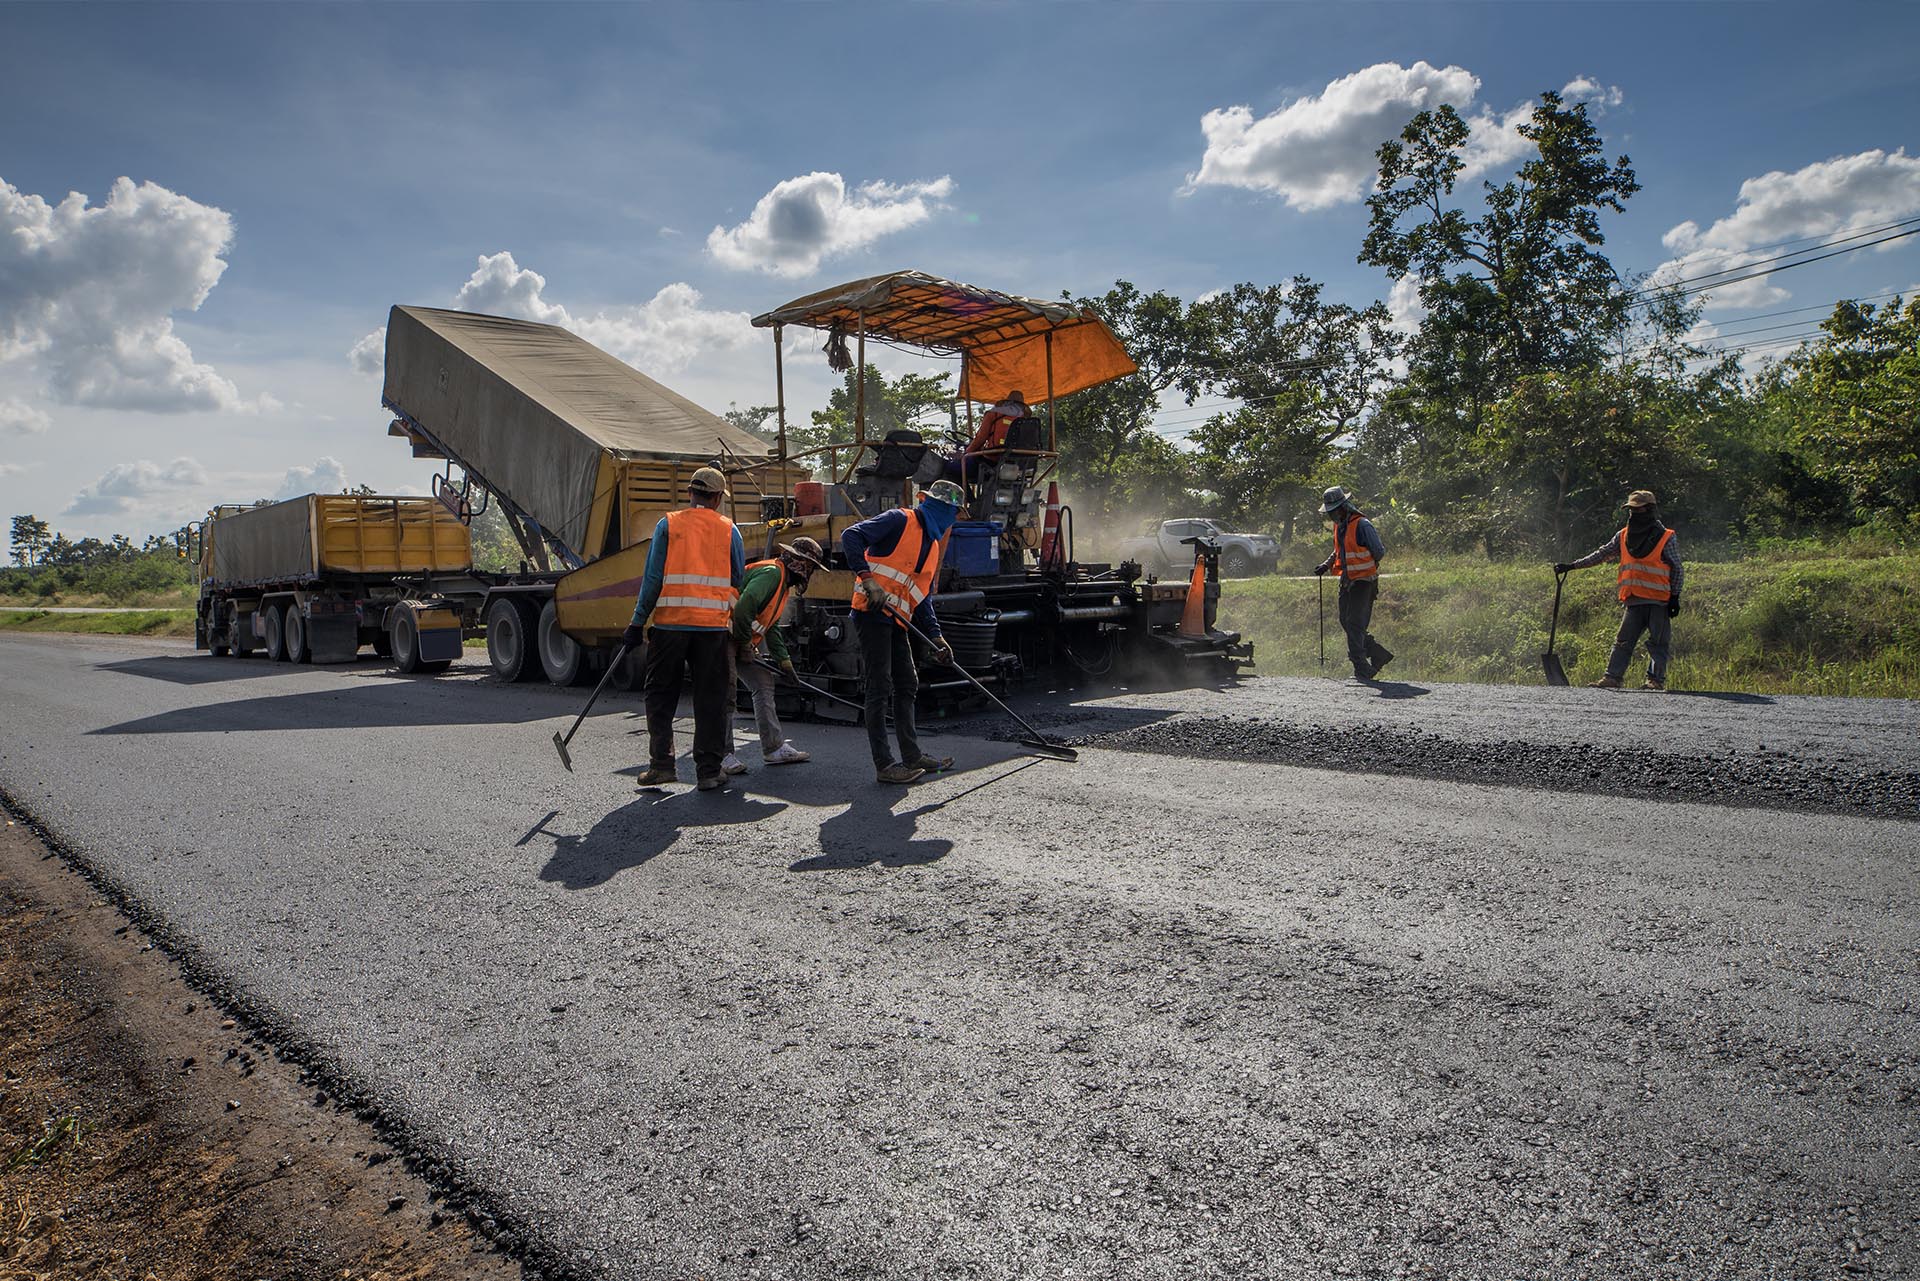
1234, 563
406, 646
218, 643
561, 657
276, 638
512, 625
383, 643
626, 677
295, 632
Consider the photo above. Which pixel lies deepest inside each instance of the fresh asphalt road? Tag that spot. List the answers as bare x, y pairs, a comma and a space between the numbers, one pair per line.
1149, 1015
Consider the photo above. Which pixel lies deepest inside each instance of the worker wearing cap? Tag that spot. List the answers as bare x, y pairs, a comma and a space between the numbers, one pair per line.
991, 439
757, 641
895, 558
1649, 579
1357, 553
695, 565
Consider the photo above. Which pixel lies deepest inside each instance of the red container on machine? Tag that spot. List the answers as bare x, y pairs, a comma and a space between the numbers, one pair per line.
809, 498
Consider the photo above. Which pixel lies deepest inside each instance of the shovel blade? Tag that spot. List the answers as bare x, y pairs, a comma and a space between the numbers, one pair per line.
560, 746
1556, 674
1054, 750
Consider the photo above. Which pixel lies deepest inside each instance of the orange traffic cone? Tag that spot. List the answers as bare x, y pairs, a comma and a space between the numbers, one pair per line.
1193, 620
1050, 553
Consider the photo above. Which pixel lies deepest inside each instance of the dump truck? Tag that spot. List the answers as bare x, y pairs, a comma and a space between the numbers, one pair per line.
1011, 597
582, 453
316, 578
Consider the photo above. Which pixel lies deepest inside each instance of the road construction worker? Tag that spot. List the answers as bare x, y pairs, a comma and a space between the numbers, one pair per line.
695, 566
1650, 576
895, 558
757, 641
984, 449
1357, 553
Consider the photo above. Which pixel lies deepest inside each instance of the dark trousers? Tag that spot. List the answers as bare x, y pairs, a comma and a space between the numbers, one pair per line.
886, 651
706, 653
1356, 615
1649, 616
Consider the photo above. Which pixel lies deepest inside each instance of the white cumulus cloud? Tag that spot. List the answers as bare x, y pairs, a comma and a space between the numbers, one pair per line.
807, 219
1319, 150
12, 469
325, 476
19, 418
1822, 201
88, 294
125, 486
663, 335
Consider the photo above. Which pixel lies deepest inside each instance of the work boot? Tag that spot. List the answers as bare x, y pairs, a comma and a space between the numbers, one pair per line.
1605, 682
712, 783
733, 764
1363, 674
658, 776
786, 754
897, 774
1655, 683
1377, 654
932, 764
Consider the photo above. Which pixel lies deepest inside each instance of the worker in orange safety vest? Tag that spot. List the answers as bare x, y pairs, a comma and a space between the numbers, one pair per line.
1649, 577
695, 565
1357, 553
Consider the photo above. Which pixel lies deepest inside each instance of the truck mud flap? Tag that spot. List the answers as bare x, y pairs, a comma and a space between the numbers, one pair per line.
441, 640
333, 637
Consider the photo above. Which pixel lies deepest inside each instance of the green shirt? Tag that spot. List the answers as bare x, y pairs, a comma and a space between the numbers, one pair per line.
759, 588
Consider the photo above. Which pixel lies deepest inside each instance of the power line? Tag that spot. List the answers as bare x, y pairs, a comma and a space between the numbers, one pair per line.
1645, 296
1798, 240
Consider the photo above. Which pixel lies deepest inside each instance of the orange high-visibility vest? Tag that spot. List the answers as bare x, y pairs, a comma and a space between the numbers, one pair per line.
697, 585
1645, 577
769, 615
906, 573
1351, 559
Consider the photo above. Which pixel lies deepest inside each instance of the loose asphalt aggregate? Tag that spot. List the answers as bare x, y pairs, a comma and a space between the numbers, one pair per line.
1196, 1006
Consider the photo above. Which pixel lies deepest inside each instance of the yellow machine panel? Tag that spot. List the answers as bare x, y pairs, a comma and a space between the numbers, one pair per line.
596, 602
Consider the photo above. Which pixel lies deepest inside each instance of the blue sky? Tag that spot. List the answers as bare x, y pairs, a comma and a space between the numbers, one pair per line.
338, 159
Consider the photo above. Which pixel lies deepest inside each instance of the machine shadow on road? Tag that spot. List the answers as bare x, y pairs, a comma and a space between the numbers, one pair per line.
354, 705
869, 833
200, 669
642, 829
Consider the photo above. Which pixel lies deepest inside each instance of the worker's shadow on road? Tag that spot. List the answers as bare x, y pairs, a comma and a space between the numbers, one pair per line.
1398, 689
868, 833
642, 829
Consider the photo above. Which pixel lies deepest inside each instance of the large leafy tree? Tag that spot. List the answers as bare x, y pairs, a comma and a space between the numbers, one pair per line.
30, 538
1519, 286
1111, 459
1308, 371
920, 402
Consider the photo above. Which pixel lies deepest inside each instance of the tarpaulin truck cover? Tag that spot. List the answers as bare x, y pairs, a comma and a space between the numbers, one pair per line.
534, 409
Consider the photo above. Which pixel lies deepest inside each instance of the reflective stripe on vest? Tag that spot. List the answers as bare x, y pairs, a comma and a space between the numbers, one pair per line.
769, 615
1351, 559
904, 585
1646, 577
697, 584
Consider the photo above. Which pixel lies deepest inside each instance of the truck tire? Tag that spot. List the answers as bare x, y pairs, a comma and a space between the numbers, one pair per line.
406, 646
276, 634
294, 631
561, 657
513, 624
219, 643
1235, 563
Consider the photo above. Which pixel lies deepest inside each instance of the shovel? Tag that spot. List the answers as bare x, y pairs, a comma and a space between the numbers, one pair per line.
1036, 740
1323, 618
559, 743
1550, 661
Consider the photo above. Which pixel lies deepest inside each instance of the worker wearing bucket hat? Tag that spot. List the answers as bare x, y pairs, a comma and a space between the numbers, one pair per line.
695, 565
1357, 553
1650, 575
757, 641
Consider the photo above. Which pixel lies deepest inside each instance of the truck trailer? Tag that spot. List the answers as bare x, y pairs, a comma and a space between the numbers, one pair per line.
315, 578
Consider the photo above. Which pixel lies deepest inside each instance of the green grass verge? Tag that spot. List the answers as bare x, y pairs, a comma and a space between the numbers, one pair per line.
144, 622
1767, 624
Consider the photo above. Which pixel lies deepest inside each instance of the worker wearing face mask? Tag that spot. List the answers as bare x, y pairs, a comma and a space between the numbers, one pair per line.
1649, 578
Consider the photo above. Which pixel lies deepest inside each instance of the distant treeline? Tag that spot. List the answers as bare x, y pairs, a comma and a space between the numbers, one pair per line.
48, 565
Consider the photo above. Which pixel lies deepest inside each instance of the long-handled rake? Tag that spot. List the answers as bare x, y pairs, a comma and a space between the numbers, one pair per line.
1035, 740
559, 743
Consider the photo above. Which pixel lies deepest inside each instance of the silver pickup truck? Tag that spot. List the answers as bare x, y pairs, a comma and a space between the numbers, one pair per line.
1165, 550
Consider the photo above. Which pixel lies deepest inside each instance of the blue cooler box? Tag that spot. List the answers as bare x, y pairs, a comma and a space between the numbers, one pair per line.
974, 548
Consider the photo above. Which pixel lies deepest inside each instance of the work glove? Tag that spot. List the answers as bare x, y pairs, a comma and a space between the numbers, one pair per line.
876, 595
786, 670
1673, 605
634, 635
942, 651
1562, 567
1320, 569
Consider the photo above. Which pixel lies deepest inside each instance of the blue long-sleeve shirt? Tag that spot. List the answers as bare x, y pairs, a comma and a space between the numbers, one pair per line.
880, 535
1610, 550
656, 573
1369, 538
